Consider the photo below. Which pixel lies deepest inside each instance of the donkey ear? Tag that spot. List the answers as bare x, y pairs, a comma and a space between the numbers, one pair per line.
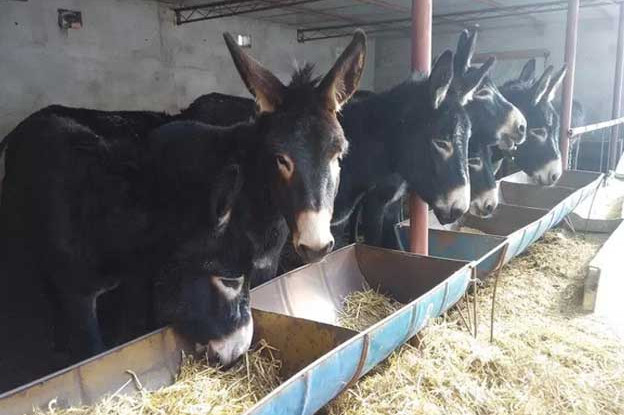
555, 83
441, 78
466, 47
343, 78
539, 88
528, 71
474, 80
261, 83
223, 196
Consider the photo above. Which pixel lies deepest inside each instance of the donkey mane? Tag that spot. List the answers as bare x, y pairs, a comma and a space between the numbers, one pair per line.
517, 85
303, 77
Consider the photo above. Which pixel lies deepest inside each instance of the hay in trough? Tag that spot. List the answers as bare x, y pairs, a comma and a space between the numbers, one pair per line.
468, 229
547, 357
362, 309
198, 389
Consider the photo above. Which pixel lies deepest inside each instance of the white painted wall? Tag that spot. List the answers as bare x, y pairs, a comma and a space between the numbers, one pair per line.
130, 55
595, 56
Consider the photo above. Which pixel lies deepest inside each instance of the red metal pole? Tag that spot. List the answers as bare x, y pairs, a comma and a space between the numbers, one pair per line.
617, 92
422, 16
568, 83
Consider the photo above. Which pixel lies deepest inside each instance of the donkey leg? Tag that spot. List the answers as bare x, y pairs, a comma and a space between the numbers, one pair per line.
373, 212
375, 205
84, 332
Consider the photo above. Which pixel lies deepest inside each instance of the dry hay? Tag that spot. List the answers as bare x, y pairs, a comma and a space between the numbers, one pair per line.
198, 389
547, 358
362, 309
467, 229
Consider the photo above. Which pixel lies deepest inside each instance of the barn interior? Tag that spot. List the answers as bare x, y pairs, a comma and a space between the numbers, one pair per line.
160, 55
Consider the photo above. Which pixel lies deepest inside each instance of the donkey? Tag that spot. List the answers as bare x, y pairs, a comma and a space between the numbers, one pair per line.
418, 134
124, 209
494, 121
539, 156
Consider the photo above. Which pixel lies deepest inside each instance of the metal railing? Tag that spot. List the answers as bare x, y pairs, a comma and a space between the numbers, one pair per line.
607, 135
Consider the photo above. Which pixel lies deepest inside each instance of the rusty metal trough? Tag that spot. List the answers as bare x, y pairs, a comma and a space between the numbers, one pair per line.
573, 187
297, 313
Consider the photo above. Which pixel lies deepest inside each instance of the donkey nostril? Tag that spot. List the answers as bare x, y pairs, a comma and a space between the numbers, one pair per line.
489, 208
522, 128
456, 213
329, 247
554, 177
310, 254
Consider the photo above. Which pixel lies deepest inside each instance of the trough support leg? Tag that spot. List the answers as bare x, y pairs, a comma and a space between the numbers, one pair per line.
475, 289
466, 303
463, 318
498, 273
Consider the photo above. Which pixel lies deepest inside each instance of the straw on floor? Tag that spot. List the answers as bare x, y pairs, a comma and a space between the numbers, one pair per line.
362, 309
547, 357
199, 389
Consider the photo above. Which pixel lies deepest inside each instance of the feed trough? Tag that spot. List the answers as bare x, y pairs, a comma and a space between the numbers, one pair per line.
517, 189
427, 286
520, 225
296, 313
486, 251
558, 199
155, 359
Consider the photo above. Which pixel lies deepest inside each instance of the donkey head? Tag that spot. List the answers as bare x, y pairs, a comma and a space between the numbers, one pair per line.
539, 156
495, 121
483, 185
435, 129
303, 140
200, 286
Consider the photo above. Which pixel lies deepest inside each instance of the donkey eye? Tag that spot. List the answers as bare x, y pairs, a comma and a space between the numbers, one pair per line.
444, 147
483, 93
285, 165
475, 162
539, 133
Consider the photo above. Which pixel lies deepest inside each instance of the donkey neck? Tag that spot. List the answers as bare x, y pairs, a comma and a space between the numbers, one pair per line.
256, 197
382, 116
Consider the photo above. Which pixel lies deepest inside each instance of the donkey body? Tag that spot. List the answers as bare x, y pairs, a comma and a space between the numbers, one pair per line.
96, 203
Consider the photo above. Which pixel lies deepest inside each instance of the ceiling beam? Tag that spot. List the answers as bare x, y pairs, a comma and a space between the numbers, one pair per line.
461, 18
534, 20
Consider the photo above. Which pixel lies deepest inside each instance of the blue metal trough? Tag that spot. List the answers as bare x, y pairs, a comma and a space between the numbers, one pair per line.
427, 286
573, 187
486, 252
520, 225
298, 314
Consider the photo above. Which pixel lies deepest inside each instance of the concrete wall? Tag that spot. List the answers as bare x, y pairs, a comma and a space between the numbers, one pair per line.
130, 55
595, 56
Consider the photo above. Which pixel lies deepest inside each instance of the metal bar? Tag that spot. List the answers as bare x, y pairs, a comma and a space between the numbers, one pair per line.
511, 55
494, 3
324, 13
568, 83
617, 92
456, 18
422, 18
573, 132
331, 35
229, 8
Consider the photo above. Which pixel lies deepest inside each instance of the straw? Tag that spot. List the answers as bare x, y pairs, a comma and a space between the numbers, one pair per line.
198, 389
547, 357
362, 309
